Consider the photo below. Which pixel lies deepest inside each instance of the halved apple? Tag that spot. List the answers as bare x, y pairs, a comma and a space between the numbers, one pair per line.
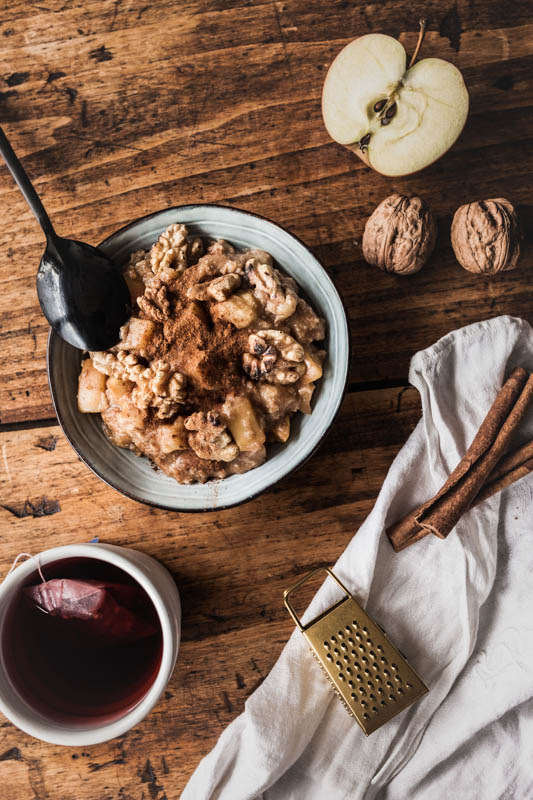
397, 119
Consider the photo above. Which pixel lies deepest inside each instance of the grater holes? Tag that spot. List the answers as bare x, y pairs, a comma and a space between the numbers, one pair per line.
370, 684
340, 634
367, 672
346, 658
351, 641
348, 670
380, 690
358, 678
343, 646
378, 678
375, 709
358, 637
366, 716
364, 703
395, 667
334, 639
329, 657
391, 697
386, 672
356, 665
390, 684
341, 676
372, 655
362, 648
400, 690
372, 696
383, 660
336, 651
355, 623
375, 665
370, 642
327, 645
354, 696
379, 648
338, 664
348, 629
398, 678
409, 684
383, 703
362, 690
351, 684
354, 653
365, 629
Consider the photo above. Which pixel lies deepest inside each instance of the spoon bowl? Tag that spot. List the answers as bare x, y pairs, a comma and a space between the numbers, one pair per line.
82, 294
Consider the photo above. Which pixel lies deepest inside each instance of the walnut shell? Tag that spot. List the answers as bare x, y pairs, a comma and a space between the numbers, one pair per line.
400, 235
486, 236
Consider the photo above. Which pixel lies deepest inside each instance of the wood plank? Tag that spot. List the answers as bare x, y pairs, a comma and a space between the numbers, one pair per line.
184, 105
231, 568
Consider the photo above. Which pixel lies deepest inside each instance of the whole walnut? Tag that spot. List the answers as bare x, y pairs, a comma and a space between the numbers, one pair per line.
400, 235
486, 236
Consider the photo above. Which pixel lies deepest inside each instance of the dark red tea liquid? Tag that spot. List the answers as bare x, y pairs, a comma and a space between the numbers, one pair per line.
66, 679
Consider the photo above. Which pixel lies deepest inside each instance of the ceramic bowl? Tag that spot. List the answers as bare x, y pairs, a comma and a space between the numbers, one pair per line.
133, 476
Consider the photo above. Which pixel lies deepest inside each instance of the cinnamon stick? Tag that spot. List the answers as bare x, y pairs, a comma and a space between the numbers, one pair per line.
440, 514
508, 470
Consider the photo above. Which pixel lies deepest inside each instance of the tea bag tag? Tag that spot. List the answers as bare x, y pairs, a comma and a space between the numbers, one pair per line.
368, 673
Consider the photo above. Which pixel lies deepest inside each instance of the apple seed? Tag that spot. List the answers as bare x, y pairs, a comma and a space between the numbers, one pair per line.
363, 144
391, 111
379, 105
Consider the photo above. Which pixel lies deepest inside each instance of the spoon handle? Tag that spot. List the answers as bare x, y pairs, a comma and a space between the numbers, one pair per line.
25, 185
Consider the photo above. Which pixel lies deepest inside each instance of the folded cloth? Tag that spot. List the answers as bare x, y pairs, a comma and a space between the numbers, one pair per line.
459, 609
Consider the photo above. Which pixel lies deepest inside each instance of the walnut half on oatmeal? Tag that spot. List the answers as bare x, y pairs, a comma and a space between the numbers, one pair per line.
219, 355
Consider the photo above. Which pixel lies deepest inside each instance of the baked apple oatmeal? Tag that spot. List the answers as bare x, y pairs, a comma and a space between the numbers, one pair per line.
219, 354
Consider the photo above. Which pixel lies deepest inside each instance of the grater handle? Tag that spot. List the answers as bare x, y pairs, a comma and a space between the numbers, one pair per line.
305, 578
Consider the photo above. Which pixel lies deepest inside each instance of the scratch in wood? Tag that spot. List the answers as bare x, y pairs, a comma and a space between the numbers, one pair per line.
6, 465
101, 54
42, 508
53, 76
239, 680
142, 10
227, 702
96, 767
117, 3
399, 399
71, 94
164, 765
148, 776
11, 755
282, 37
47, 443
17, 78
83, 115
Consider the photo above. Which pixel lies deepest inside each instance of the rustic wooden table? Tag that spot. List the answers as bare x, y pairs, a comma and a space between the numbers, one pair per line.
123, 107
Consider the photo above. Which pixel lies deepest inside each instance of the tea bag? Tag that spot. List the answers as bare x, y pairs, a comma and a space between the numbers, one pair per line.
103, 613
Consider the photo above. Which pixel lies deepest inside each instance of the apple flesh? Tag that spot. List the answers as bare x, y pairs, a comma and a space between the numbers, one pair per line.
398, 120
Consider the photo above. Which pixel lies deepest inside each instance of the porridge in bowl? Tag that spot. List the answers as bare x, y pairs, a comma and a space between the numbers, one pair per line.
220, 353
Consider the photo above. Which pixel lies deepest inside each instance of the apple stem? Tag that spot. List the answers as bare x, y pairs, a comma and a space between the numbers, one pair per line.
423, 28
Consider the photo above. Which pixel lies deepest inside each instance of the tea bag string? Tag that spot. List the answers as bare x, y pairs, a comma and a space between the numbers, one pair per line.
27, 555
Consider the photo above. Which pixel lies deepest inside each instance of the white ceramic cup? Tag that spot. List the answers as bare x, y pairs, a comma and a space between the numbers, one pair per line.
158, 584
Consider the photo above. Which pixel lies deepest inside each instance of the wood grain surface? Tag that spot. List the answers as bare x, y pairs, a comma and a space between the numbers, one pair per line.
120, 108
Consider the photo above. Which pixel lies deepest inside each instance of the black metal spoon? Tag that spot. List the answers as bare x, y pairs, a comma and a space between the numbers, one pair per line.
83, 295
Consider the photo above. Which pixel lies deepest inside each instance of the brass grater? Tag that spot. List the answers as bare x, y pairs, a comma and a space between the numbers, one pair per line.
369, 675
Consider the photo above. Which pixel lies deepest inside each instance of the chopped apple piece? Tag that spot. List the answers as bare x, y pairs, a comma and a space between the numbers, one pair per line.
172, 437
282, 428
137, 334
313, 368
305, 393
136, 287
240, 309
243, 423
117, 388
91, 389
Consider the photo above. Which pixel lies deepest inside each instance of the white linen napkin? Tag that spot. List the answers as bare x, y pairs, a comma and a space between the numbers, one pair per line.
460, 610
